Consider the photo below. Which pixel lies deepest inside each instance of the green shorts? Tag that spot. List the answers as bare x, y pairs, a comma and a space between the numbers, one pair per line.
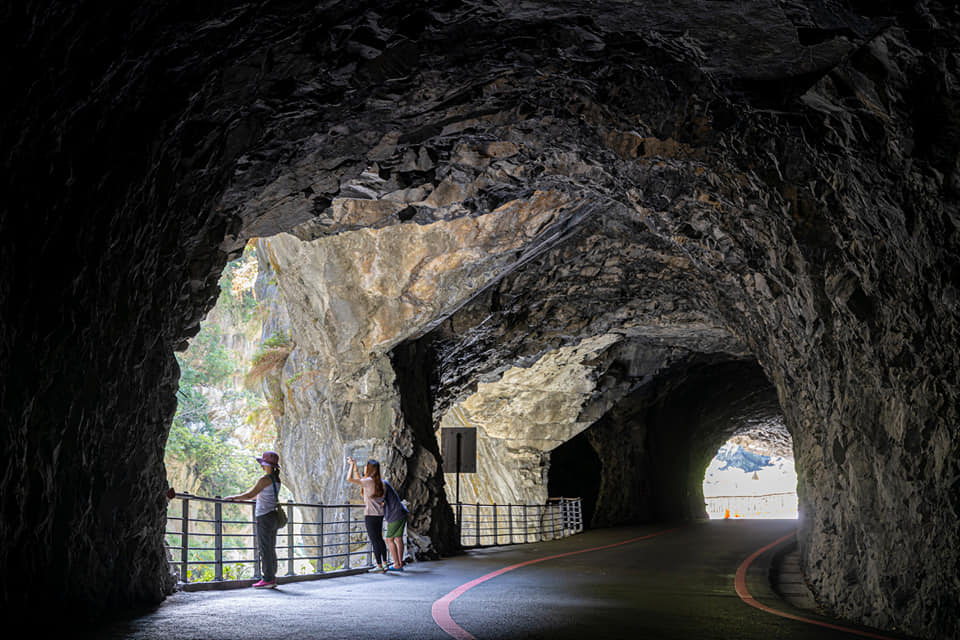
395, 529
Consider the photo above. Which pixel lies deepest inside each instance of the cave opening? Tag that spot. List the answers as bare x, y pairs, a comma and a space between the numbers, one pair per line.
224, 418
753, 475
140, 166
656, 444
575, 471
699, 407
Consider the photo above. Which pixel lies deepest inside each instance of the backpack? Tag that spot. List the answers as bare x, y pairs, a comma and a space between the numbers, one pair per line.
391, 499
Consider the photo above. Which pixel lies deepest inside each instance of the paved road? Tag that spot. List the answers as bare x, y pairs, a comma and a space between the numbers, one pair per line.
678, 585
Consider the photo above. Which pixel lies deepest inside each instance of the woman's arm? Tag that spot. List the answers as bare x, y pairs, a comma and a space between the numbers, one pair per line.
353, 474
262, 484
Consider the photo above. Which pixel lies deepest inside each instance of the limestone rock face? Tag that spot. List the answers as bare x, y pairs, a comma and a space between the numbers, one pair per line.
521, 417
352, 297
479, 188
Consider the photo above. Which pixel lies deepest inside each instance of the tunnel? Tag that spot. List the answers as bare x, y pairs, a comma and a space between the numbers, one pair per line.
567, 225
644, 460
654, 446
575, 471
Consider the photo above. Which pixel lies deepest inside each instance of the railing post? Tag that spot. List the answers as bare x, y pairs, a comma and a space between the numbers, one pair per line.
346, 564
550, 514
184, 540
510, 518
290, 571
478, 524
218, 538
256, 543
526, 525
320, 541
496, 540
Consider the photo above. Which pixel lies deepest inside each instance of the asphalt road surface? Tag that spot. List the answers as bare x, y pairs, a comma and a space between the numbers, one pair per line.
629, 582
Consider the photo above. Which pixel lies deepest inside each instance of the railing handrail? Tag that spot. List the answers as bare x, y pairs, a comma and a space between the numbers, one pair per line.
756, 495
192, 496
284, 503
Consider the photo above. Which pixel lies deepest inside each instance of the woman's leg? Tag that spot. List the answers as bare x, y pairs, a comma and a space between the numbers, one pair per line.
395, 545
375, 533
395, 541
267, 537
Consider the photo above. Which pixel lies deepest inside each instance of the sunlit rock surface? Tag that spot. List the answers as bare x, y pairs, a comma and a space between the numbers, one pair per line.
521, 417
727, 183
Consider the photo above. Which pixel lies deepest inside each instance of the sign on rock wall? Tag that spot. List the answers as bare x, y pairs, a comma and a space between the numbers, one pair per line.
466, 438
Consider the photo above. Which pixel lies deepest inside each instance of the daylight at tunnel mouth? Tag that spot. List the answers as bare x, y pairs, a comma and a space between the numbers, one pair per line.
610, 240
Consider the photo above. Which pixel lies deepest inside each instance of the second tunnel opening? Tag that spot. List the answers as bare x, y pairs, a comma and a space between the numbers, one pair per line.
575, 470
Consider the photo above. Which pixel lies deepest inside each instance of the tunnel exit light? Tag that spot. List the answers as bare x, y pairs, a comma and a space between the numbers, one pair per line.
741, 483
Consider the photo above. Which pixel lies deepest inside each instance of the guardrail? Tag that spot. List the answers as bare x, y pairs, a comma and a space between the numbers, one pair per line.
213, 542
768, 505
484, 525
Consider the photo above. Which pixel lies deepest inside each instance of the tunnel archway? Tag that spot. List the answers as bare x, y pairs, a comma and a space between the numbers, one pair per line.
656, 444
575, 472
753, 475
684, 191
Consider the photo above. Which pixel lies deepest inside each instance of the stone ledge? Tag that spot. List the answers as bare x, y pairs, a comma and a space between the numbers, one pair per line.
223, 585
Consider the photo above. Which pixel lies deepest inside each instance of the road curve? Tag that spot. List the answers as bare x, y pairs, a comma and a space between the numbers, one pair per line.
651, 582
678, 584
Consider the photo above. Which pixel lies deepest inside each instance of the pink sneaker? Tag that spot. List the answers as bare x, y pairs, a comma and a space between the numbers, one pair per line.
265, 585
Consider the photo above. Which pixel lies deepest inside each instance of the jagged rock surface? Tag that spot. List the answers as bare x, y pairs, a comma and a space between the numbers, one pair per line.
781, 181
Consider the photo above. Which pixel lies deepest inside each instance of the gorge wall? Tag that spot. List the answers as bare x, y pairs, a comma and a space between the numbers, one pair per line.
462, 201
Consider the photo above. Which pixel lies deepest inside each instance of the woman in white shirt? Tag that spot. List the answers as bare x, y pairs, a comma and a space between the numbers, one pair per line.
267, 493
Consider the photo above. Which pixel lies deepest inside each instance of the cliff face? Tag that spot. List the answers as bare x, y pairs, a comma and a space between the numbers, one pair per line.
612, 198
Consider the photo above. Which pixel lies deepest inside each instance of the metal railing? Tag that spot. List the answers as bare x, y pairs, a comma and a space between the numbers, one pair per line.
768, 505
210, 540
484, 525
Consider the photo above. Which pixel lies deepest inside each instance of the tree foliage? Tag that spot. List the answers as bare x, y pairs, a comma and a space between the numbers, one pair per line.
219, 425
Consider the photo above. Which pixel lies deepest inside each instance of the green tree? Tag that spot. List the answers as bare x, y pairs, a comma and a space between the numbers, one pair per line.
210, 435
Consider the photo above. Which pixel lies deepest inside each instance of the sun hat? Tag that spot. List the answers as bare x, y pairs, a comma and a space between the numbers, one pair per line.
271, 458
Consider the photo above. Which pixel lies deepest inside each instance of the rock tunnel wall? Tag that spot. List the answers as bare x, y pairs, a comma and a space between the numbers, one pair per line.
789, 196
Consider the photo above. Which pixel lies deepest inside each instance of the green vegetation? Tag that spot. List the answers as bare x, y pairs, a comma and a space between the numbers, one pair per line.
269, 358
220, 426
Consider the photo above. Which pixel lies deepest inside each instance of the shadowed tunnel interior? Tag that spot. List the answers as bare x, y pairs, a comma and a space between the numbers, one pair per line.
645, 459
575, 471
554, 223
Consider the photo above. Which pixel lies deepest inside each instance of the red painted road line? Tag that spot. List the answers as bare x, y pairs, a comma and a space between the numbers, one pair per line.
740, 584
441, 608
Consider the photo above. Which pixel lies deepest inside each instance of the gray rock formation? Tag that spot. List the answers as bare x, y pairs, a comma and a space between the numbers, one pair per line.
714, 184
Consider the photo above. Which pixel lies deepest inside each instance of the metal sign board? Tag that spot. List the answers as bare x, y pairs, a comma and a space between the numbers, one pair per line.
467, 439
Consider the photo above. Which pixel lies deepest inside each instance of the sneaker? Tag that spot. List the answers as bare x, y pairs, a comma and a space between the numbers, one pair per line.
377, 569
263, 584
